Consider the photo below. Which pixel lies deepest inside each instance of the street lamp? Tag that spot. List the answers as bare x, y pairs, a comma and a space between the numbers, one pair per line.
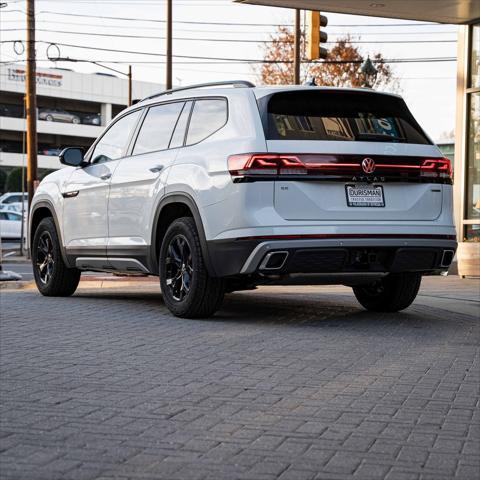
368, 73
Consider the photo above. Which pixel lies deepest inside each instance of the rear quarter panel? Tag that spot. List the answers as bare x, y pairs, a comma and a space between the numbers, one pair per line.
201, 170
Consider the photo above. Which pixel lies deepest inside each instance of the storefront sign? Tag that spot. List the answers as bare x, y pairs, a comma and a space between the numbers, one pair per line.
43, 79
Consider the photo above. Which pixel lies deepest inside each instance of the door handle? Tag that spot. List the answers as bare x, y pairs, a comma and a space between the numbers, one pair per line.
105, 176
156, 169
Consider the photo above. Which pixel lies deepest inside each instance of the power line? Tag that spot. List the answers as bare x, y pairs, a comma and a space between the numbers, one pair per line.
190, 22
221, 40
229, 31
136, 52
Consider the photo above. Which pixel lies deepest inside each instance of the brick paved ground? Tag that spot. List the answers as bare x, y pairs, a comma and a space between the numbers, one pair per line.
287, 383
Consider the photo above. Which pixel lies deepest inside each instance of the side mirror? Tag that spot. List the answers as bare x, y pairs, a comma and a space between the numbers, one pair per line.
72, 156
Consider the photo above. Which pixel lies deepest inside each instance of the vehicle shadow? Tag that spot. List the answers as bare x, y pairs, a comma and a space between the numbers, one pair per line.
322, 308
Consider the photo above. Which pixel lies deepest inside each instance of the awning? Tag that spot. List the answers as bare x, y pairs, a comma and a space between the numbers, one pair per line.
442, 11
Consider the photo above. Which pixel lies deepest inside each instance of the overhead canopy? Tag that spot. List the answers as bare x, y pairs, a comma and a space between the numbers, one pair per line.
442, 11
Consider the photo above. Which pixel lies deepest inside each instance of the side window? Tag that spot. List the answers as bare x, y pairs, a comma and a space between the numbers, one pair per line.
209, 115
179, 134
3, 216
114, 142
157, 128
13, 199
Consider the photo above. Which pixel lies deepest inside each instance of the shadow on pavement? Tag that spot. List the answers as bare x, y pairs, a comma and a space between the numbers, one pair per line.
326, 309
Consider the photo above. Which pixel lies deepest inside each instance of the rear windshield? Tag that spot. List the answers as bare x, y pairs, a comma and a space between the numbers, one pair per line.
339, 115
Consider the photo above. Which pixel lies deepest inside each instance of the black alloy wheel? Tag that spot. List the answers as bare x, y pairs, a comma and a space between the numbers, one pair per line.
188, 290
54, 278
45, 261
179, 271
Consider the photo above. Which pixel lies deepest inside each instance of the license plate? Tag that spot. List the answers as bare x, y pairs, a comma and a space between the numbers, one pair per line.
365, 195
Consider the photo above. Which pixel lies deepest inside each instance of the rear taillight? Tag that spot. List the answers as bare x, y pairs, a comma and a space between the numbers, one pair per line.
436, 168
330, 167
265, 164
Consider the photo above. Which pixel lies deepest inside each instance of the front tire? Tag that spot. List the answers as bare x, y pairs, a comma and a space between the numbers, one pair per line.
52, 276
390, 294
187, 288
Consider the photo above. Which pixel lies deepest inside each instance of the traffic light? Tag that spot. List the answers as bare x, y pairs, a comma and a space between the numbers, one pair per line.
316, 36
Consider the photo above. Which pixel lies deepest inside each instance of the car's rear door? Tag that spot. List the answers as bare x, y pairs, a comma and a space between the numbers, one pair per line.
139, 180
334, 132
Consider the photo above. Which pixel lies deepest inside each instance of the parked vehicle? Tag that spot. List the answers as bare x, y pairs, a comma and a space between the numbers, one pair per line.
55, 115
12, 197
92, 119
15, 207
223, 189
51, 152
11, 225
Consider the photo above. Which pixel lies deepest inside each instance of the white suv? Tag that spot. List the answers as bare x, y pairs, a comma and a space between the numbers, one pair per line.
221, 189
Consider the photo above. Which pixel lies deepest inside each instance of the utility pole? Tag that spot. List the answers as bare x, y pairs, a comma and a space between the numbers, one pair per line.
31, 103
129, 85
296, 60
168, 81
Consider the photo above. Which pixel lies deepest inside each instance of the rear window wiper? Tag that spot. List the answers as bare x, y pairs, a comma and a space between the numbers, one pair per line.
379, 137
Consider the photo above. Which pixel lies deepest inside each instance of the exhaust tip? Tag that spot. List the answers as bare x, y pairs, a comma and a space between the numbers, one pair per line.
447, 258
274, 260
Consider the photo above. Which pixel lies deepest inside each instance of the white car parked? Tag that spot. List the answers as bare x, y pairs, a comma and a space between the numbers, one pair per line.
220, 189
11, 225
13, 198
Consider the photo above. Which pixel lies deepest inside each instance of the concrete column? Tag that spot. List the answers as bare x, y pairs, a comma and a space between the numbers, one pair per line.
461, 131
106, 113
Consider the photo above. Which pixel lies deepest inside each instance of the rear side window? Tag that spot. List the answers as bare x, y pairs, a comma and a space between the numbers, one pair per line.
340, 115
157, 128
208, 116
13, 199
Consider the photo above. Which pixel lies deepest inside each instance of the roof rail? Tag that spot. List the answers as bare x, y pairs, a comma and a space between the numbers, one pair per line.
235, 83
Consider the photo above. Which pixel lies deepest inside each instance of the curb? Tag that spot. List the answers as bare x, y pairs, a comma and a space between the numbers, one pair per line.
85, 284
15, 259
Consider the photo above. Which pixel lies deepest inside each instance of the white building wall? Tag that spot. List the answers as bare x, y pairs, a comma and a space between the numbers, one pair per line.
62, 84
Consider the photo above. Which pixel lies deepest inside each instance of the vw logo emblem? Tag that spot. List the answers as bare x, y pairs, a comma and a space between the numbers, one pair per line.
368, 165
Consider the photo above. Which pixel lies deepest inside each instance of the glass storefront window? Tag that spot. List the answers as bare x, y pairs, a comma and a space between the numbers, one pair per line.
472, 233
473, 158
475, 57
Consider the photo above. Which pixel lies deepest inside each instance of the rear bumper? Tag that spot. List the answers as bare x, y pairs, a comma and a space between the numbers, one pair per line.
356, 256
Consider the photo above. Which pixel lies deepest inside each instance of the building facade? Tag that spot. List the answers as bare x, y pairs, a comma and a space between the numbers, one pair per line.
467, 168
73, 109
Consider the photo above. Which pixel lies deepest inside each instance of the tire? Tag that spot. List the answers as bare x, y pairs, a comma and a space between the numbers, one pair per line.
187, 288
49, 118
390, 294
52, 276
75, 120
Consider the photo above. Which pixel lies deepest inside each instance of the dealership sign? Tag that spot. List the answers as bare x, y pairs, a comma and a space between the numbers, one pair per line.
43, 79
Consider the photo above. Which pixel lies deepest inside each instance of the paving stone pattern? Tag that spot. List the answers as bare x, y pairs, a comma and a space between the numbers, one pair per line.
287, 383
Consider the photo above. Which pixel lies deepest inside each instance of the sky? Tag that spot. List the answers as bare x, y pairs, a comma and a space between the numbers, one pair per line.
206, 28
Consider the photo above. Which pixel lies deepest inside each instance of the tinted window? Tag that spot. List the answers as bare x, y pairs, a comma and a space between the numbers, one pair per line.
208, 116
114, 142
179, 134
157, 128
13, 199
340, 115
10, 216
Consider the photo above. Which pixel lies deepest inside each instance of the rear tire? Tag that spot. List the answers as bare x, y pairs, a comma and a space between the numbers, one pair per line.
390, 294
52, 276
187, 288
